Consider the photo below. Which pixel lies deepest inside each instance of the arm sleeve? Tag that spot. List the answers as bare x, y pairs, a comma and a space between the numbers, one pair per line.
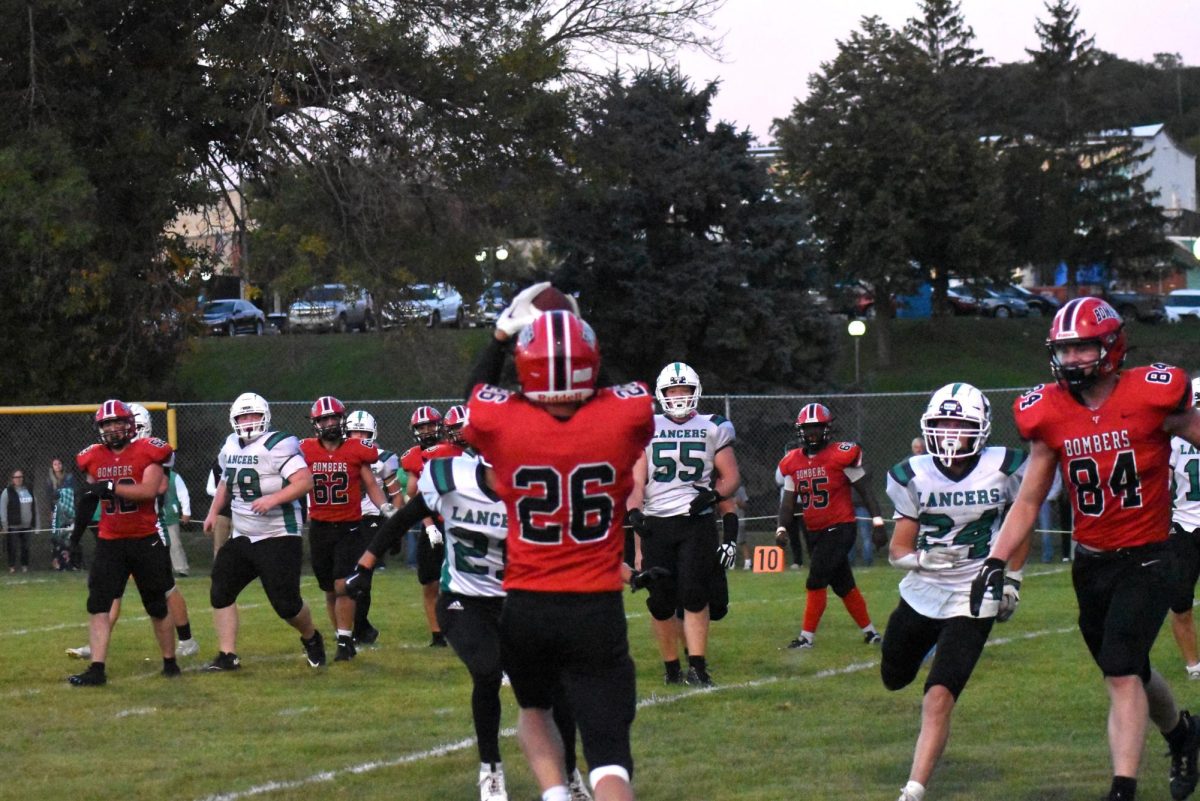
211, 486
398, 524
181, 493
488, 366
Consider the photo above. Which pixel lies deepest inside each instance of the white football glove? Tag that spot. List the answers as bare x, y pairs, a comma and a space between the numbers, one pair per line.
521, 312
727, 553
434, 535
387, 510
937, 559
1009, 600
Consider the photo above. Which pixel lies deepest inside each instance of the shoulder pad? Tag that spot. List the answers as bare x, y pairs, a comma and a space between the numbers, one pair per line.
441, 471
385, 455
718, 419
1013, 459
902, 473
274, 438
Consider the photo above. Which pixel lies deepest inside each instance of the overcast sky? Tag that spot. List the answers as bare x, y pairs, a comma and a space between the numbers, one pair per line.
772, 46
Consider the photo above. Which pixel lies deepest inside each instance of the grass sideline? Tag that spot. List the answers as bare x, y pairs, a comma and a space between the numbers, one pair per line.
395, 723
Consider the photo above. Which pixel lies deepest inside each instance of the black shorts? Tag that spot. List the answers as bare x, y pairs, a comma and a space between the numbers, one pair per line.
472, 627
829, 558
686, 546
275, 561
429, 558
147, 559
335, 549
1123, 598
1186, 545
578, 639
910, 635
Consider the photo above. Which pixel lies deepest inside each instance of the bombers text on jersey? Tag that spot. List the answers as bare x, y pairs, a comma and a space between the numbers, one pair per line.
822, 482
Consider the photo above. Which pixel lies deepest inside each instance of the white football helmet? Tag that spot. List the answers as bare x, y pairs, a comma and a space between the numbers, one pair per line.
250, 403
141, 421
362, 421
956, 401
677, 374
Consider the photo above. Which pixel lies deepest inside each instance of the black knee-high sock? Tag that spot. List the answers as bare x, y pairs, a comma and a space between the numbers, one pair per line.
485, 709
361, 607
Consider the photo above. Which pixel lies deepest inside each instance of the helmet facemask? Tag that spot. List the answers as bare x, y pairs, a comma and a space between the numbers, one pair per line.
117, 436
956, 423
1078, 376
246, 404
813, 436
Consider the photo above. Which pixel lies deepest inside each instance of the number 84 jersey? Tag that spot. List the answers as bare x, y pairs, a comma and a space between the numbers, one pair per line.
681, 456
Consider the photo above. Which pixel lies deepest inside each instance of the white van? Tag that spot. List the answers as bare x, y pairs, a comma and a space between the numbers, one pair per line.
1182, 303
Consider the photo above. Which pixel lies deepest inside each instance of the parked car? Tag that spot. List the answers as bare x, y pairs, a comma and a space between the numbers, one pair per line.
332, 307
853, 299
434, 304
1136, 306
492, 301
962, 302
232, 316
1182, 303
1038, 304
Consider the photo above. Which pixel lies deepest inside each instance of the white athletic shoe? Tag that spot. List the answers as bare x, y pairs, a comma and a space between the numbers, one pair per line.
491, 786
1193, 672
578, 788
84, 652
912, 792
187, 647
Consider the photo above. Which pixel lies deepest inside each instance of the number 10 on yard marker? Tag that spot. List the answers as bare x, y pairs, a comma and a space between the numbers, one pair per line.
768, 559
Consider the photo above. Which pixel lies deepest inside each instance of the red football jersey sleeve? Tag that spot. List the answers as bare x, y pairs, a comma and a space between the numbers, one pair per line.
121, 518
823, 491
1115, 460
411, 461
564, 482
336, 496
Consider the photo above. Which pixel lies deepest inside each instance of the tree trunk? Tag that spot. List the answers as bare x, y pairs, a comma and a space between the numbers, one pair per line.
883, 342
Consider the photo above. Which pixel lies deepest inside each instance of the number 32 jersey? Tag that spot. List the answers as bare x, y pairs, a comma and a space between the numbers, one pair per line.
681, 456
260, 468
564, 482
1115, 459
962, 513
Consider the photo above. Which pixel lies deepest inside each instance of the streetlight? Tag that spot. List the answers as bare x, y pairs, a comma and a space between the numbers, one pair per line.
856, 329
493, 255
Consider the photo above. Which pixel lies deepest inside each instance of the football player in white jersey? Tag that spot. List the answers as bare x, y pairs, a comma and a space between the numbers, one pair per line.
470, 599
362, 425
265, 476
687, 469
1185, 539
949, 504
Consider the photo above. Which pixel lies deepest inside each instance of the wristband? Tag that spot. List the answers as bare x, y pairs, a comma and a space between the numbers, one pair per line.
1015, 577
781, 530
876, 521
910, 561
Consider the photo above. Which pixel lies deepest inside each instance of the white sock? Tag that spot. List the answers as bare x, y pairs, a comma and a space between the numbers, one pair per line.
869, 629
345, 633
557, 793
1194, 668
811, 635
916, 790
490, 767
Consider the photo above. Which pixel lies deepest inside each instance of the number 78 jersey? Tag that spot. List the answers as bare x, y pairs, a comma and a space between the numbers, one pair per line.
259, 468
679, 457
1115, 460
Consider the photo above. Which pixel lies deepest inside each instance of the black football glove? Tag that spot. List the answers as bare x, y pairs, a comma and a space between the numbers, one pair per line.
637, 521
990, 576
644, 578
706, 498
358, 583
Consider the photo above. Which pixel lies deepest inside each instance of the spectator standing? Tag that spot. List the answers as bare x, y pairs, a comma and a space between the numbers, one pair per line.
223, 519
61, 487
177, 511
18, 511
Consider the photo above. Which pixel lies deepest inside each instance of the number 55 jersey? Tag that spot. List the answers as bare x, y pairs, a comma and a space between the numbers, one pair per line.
257, 468
962, 513
1115, 460
679, 457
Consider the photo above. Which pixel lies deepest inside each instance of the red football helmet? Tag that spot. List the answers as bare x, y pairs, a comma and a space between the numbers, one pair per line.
426, 423
557, 359
454, 422
812, 425
1086, 320
328, 417
115, 436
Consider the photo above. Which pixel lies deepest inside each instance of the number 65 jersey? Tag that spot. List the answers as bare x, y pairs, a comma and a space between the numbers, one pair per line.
564, 482
963, 513
259, 468
1115, 460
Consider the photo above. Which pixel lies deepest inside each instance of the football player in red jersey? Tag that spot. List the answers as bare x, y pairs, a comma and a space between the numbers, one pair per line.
426, 423
126, 477
340, 468
819, 475
562, 454
1109, 432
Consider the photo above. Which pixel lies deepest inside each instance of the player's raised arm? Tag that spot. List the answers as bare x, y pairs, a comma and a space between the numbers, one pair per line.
1018, 524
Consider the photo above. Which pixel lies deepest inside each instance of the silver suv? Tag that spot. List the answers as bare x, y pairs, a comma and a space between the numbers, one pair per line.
332, 307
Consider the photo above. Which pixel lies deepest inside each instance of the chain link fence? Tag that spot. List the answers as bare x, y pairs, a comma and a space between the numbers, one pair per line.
884, 424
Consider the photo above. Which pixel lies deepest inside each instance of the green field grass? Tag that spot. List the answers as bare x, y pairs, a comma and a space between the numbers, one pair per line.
395, 723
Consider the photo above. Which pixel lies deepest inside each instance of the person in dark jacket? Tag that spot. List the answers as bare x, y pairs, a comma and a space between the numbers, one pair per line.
18, 511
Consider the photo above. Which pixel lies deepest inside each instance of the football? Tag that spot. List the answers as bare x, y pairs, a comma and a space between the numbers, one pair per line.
551, 298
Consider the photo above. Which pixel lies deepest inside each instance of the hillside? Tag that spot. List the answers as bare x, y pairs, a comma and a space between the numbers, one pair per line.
416, 363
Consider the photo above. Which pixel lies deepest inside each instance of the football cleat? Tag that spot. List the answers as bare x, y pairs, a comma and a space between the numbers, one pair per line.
187, 647
491, 786
171, 670
92, 677
577, 787
224, 662
345, 649
438, 640
801, 642
1193, 672
367, 635
673, 677
872, 638
314, 650
1183, 760
82, 652
698, 678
